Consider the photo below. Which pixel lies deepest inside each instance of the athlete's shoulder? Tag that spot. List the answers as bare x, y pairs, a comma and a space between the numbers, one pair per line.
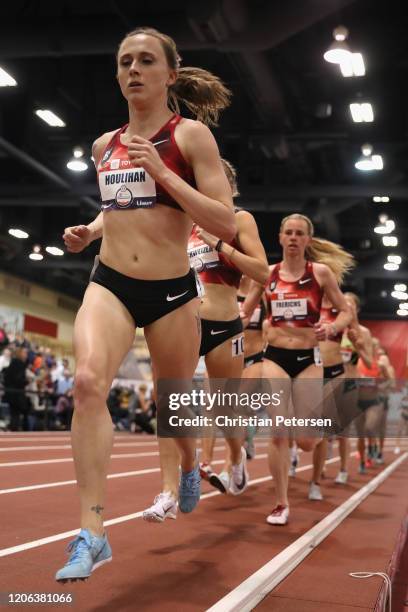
320, 267
193, 131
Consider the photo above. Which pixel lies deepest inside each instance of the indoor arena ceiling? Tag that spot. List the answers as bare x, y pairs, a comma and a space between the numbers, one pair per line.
288, 131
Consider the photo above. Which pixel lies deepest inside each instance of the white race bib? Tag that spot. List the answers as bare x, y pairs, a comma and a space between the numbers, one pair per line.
289, 309
202, 257
130, 188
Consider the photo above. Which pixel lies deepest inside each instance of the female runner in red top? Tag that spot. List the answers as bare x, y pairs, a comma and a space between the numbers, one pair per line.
295, 291
157, 175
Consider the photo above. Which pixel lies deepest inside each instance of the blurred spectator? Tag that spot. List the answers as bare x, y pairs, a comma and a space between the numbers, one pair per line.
58, 370
4, 339
38, 361
141, 412
15, 381
5, 359
65, 405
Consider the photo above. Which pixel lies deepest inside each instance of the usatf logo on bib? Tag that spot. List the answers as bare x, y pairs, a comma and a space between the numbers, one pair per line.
123, 197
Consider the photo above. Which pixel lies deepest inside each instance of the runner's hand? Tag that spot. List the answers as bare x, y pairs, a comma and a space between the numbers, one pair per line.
77, 238
143, 154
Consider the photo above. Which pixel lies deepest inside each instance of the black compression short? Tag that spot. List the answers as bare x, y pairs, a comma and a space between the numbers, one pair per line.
147, 300
214, 333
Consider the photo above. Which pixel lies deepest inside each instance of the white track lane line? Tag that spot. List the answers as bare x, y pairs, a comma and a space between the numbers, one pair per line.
70, 459
127, 436
63, 483
68, 446
123, 519
256, 587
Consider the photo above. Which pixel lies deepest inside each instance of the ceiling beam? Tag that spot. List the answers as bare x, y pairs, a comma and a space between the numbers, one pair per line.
41, 169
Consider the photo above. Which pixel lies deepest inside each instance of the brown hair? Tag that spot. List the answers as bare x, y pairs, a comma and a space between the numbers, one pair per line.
231, 175
203, 93
323, 251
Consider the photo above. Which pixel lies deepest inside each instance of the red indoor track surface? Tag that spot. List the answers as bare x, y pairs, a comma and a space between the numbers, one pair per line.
189, 564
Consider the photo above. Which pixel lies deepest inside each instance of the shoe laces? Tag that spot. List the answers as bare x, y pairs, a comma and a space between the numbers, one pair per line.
237, 469
278, 510
81, 546
161, 497
190, 482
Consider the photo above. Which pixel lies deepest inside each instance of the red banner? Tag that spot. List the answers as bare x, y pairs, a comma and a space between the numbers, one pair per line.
40, 326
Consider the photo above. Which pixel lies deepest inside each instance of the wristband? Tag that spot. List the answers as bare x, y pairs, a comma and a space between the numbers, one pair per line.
333, 330
218, 246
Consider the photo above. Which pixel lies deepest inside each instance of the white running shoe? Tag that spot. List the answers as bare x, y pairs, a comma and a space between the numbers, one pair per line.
341, 477
278, 516
239, 475
315, 493
220, 481
397, 450
164, 506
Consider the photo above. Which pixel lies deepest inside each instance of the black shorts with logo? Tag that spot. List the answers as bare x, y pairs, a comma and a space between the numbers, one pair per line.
214, 333
255, 358
293, 361
147, 300
330, 372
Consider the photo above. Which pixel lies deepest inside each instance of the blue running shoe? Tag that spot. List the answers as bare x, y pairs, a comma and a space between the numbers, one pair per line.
88, 552
189, 490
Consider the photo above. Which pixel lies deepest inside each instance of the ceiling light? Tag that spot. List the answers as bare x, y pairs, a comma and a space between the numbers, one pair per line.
6, 80
18, 233
78, 152
399, 295
353, 66
386, 226
394, 259
400, 287
404, 306
362, 112
339, 50
378, 199
52, 250
49, 117
390, 241
36, 254
391, 267
402, 313
369, 162
76, 164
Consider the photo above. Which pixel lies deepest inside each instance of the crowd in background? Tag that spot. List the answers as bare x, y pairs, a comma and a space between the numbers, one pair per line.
36, 391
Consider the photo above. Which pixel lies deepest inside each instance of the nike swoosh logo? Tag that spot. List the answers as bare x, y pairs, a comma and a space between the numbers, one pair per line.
307, 280
336, 372
242, 485
302, 358
170, 298
160, 142
222, 331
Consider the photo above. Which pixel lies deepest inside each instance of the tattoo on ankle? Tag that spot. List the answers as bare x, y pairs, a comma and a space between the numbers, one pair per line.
98, 509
